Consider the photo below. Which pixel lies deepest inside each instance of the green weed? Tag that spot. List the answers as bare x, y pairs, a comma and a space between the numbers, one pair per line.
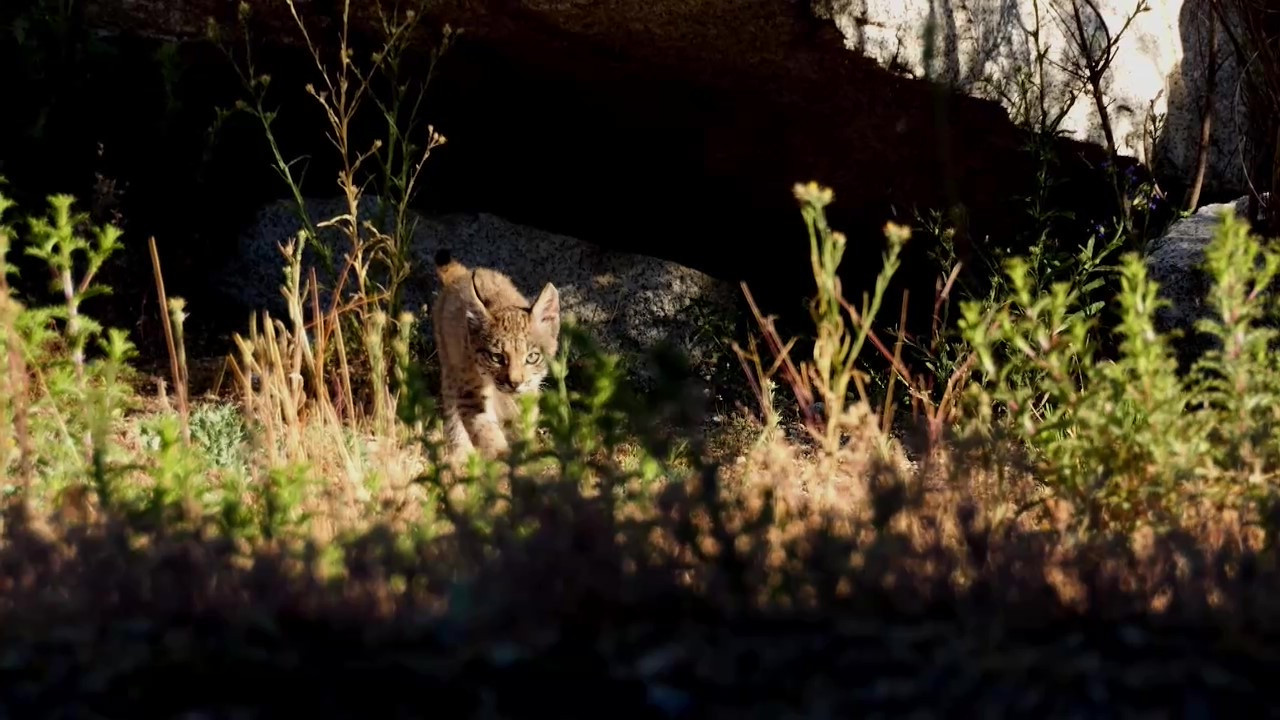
1130, 440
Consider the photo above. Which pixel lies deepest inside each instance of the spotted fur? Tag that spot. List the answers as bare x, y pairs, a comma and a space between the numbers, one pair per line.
493, 346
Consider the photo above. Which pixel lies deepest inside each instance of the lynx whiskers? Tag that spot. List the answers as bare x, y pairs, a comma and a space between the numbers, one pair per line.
493, 346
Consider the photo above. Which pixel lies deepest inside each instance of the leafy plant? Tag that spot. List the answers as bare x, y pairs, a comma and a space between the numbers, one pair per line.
78, 368
1129, 440
219, 431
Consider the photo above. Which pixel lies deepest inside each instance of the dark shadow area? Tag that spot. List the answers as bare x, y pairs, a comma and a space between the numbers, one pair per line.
583, 615
123, 125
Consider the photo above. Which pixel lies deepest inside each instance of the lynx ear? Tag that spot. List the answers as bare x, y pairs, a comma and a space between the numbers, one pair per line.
477, 313
476, 317
546, 309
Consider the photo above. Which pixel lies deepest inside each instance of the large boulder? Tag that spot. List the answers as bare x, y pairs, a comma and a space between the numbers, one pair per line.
629, 302
1175, 260
987, 48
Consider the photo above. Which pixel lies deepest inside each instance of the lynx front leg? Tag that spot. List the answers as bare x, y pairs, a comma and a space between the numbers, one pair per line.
481, 420
486, 432
458, 443
508, 407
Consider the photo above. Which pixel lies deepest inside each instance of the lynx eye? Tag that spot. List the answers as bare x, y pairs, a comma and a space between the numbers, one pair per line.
532, 358
495, 358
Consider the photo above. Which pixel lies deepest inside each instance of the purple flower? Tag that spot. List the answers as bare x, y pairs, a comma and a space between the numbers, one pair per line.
1131, 176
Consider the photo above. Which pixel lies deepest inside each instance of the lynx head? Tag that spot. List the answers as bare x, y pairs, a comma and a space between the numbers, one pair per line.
512, 343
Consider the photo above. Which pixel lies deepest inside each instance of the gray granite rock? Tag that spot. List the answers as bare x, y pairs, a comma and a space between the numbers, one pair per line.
629, 302
1176, 261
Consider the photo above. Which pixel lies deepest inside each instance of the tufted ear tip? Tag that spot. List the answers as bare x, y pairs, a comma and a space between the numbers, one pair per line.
546, 309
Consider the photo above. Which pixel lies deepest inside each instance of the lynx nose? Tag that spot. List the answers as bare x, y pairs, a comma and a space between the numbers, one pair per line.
515, 376
509, 379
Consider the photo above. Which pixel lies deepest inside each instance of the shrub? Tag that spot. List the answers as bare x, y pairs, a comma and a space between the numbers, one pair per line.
1130, 440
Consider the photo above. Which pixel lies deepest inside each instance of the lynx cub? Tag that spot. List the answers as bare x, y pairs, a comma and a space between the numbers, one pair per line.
493, 345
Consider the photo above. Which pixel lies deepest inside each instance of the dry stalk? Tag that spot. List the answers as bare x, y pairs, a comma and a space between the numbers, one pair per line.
177, 365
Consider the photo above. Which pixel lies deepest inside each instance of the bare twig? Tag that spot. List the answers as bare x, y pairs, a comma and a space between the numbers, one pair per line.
943, 294
1092, 62
800, 386
1206, 119
886, 418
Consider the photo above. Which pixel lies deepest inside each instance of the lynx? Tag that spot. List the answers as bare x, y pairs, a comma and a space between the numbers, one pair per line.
493, 345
